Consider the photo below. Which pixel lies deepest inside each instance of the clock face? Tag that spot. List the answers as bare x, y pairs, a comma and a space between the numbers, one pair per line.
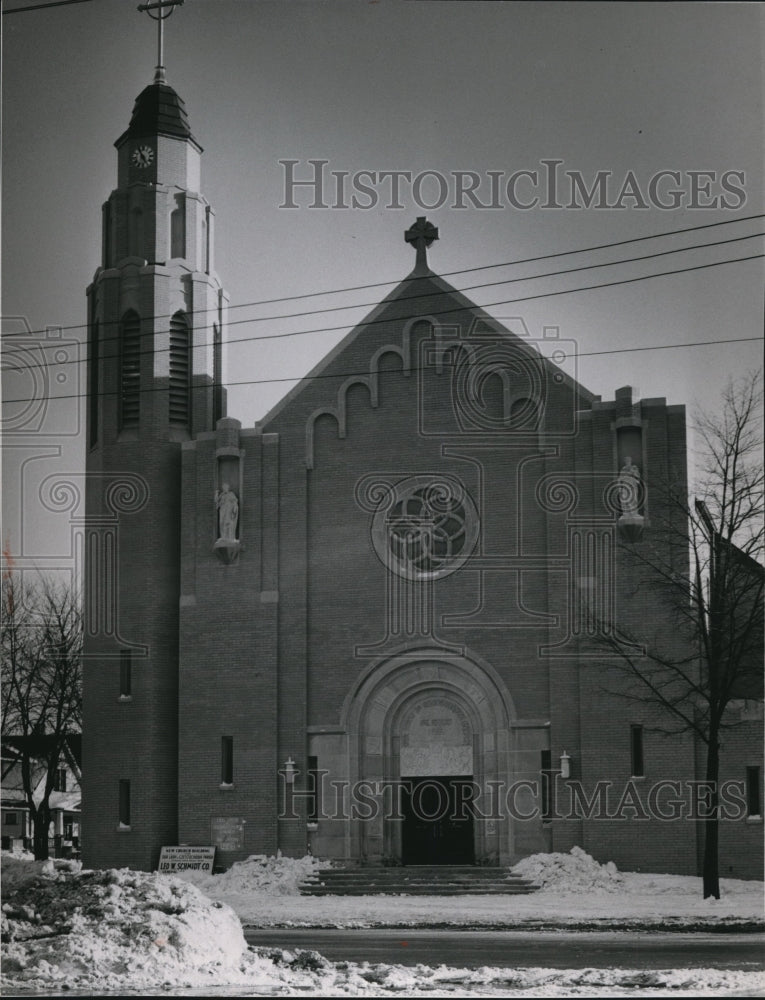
143, 156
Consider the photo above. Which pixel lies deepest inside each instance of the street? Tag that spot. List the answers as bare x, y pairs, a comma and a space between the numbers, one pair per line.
518, 949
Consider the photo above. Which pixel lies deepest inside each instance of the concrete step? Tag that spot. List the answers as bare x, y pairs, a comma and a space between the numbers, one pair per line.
475, 871
431, 880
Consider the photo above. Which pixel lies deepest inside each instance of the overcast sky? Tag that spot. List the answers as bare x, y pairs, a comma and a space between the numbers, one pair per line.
491, 88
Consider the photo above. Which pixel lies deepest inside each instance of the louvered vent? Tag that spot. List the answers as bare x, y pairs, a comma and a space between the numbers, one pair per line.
130, 370
180, 371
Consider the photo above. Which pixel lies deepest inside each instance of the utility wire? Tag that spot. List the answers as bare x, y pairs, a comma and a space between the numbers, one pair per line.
40, 6
430, 294
366, 372
445, 274
442, 312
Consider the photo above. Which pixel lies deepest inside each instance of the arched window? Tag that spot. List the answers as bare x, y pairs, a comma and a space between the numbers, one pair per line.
130, 370
180, 371
178, 227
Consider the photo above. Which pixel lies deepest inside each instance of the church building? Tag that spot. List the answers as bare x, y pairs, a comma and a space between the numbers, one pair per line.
380, 624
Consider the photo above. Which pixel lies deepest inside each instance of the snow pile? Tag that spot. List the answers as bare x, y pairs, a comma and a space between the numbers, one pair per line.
576, 871
20, 854
20, 870
97, 931
106, 929
491, 981
269, 876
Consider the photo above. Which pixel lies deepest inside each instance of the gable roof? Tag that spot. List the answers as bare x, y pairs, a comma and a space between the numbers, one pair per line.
435, 300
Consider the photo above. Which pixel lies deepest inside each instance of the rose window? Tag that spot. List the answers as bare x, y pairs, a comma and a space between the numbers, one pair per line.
428, 530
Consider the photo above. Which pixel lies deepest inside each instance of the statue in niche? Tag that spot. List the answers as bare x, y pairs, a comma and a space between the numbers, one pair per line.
228, 513
629, 487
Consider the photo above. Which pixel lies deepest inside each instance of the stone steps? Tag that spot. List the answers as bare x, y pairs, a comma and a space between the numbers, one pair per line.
416, 880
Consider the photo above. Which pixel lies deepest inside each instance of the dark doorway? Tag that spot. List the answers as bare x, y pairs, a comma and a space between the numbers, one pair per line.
438, 821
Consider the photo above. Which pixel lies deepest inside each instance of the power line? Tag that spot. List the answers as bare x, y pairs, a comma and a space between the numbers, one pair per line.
297, 333
507, 302
442, 312
447, 274
365, 372
503, 281
40, 6
469, 288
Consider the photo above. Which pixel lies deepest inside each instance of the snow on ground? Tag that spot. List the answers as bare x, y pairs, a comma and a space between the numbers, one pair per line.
272, 876
576, 871
133, 932
575, 889
100, 929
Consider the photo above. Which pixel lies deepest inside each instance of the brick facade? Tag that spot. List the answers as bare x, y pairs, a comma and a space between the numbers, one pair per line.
425, 535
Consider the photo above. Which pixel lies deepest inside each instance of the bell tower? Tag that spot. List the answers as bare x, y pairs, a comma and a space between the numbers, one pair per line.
156, 313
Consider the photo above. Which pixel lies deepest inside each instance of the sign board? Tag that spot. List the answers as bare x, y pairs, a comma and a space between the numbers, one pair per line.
227, 832
186, 859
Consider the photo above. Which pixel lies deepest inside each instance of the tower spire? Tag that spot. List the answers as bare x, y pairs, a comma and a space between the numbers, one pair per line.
163, 8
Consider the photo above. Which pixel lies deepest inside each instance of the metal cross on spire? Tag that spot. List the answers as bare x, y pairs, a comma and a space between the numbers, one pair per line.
163, 8
421, 235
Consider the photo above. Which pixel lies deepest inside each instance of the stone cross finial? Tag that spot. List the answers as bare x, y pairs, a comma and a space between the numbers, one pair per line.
421, 235
163, 8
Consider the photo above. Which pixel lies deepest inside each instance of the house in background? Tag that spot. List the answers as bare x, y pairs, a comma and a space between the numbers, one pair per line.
65, 799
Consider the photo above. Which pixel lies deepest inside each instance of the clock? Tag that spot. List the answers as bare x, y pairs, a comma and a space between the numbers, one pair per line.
143, 156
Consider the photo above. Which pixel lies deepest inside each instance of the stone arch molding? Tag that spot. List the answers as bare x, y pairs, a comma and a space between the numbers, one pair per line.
384, 681
371, 382
374, 717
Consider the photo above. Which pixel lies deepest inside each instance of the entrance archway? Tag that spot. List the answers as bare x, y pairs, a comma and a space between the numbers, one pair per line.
432, 718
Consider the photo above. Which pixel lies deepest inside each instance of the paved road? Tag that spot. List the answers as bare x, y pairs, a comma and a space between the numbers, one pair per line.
516, 949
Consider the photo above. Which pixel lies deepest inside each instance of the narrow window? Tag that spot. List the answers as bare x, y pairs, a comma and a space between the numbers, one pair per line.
136, 233
314, 790
753, 791
93, 384
130, 370
227, 760
180, 371
107, 250
217, 375
636, 751
207, 236
59, 780
546, 785
124, 813
178, 227
126, 673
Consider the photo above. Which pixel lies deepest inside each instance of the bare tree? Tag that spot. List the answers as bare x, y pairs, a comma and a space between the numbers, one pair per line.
41, 641
714, 655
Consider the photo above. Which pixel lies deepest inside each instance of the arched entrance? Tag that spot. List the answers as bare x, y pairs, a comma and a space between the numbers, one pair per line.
429, 733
